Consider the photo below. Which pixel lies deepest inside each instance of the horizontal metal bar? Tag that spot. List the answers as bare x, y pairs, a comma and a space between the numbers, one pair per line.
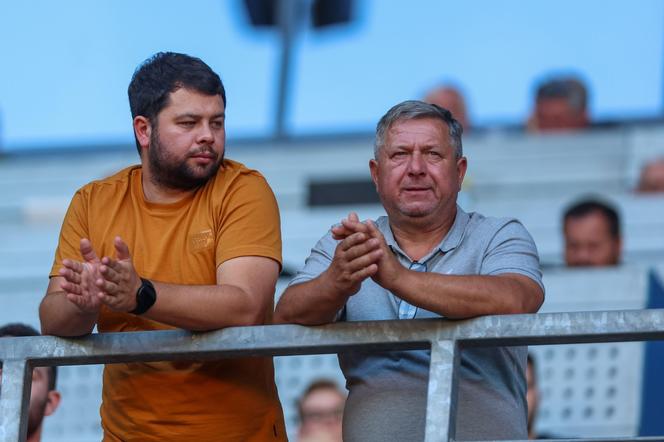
547, 328
441, 334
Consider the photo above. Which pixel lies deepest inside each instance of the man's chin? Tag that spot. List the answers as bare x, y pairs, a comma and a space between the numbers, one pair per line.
202, 173
201, 168
416, 208
415, 212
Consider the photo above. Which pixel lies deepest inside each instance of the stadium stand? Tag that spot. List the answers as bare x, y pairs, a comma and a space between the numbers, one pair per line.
527, 176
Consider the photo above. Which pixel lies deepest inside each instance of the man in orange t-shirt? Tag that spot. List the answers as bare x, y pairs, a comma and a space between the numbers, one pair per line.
186, 240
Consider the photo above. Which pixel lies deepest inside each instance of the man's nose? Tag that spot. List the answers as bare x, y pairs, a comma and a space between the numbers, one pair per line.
416, 165
205, 135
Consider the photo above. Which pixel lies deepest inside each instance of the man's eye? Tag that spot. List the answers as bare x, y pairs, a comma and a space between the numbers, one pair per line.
217, 124
433, 153
400, 154
187, 123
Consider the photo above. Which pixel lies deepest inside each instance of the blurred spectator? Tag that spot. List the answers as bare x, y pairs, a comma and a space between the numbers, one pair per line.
44, 399
450, 98
592, 234
652, 177
560, 104
321, 409
532, 396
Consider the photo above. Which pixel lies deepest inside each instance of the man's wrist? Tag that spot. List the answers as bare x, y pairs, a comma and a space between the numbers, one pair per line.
331, 285
396, 279
146, 296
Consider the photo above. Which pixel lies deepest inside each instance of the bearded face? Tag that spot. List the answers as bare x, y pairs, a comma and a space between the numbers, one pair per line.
186, 141
181, 172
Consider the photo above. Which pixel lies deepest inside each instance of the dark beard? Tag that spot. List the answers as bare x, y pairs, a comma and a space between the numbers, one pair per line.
170, 174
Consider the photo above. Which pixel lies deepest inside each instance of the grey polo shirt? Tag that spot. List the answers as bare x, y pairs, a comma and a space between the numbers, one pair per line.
387, 390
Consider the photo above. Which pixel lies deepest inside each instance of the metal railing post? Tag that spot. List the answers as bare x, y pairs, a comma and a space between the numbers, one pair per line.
14, 399
441, 396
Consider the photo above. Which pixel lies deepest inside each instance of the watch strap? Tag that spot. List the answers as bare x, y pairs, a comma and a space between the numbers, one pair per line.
146, 296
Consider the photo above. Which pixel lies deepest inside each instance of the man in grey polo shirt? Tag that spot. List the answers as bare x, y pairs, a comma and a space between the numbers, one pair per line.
426, 259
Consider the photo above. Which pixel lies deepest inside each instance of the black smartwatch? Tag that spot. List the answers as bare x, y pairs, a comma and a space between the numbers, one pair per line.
146, 296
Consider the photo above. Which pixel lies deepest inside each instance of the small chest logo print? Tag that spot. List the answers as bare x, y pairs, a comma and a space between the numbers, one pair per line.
201, 240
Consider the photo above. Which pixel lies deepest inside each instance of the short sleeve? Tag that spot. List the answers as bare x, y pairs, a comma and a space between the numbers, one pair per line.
316, 263
74, 227
512, 250
318, 260
249, 223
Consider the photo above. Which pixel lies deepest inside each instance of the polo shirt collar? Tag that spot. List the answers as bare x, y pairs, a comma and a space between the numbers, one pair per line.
450, 242
455, 235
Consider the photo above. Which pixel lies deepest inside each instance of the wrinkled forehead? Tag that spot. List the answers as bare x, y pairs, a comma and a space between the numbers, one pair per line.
429, 131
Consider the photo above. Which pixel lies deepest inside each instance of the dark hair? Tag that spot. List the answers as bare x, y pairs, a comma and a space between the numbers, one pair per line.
17, 329
570, 88
166, 72
320, 384
412, 110
584, 208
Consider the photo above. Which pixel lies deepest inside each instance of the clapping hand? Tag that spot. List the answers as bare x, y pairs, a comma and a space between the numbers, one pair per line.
92, 282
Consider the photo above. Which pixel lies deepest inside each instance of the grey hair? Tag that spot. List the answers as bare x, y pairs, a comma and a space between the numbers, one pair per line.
414, 110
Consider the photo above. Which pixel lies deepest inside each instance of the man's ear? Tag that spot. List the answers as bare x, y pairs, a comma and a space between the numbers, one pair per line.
462, 167
373, 168
142, 130
52, 402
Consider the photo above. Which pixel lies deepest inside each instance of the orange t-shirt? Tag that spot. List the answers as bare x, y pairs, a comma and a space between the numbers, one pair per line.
234, 214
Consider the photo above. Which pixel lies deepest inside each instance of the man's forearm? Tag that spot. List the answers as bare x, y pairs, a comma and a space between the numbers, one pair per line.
60, 317
309, 303
464, 296
207, 307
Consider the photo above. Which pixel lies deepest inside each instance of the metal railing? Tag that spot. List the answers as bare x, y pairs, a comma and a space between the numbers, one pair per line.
445, 338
